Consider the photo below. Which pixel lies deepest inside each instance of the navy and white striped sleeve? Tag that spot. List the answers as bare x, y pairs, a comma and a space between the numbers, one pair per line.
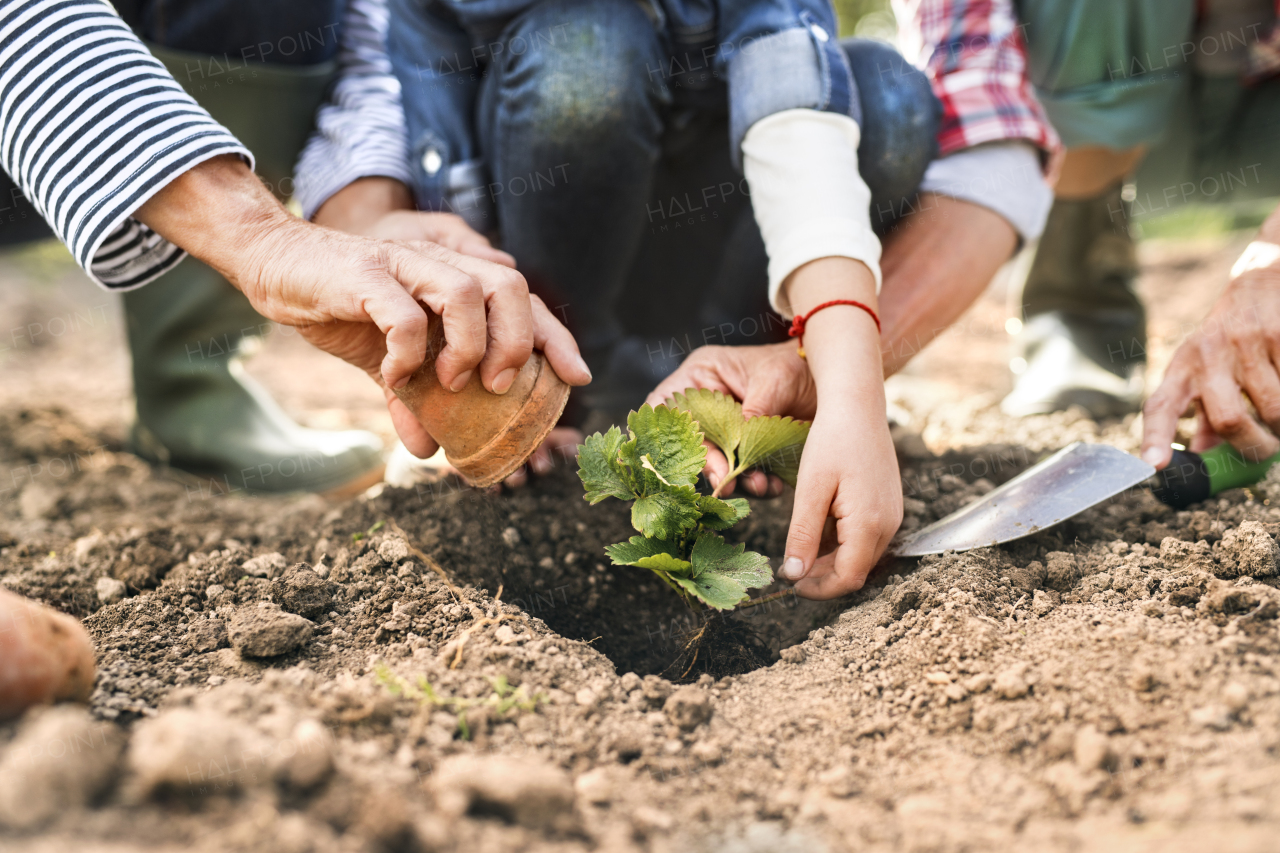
360, 131
92, 126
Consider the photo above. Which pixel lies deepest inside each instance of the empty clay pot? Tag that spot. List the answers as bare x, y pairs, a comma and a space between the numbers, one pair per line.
486, 436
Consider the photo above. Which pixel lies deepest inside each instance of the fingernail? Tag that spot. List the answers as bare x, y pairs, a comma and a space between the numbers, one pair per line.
541, 464
502, 382
714, 480
400, 384
461, 381
583, 364
793, 568
1151, 456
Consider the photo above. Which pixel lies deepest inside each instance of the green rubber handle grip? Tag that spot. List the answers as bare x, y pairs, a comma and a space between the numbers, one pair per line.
1193, 477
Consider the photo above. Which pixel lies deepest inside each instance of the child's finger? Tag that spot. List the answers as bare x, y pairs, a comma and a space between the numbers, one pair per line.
844, 570
809, 516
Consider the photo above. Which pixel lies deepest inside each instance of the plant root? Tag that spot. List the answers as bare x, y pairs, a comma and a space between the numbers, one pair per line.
720, 646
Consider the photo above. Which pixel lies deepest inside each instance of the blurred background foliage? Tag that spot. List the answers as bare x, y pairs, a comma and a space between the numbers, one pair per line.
871, 19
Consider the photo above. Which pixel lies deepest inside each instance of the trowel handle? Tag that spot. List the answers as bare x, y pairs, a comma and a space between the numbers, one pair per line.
1192, 477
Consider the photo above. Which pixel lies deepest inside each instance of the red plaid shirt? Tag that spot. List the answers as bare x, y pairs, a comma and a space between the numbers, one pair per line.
975, 56
973, 52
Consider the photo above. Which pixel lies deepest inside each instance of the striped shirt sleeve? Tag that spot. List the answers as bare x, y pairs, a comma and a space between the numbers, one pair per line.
361, 131
92, 126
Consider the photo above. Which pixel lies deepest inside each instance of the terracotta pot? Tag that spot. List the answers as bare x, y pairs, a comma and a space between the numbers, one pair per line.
486, 436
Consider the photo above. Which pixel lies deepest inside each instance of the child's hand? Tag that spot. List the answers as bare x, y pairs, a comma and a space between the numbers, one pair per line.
849, 470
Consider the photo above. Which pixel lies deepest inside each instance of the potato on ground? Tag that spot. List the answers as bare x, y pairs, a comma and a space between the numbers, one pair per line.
45, 656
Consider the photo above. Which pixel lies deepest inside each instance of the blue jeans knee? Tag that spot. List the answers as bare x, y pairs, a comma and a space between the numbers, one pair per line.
900, 119
573, 71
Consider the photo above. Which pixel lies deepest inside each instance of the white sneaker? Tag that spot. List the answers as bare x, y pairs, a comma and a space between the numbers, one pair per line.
404, 470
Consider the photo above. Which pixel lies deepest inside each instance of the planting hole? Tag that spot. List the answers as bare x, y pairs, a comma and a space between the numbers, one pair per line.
545, 546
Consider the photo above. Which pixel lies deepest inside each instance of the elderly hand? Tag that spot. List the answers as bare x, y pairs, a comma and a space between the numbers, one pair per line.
361, 299
1232, 356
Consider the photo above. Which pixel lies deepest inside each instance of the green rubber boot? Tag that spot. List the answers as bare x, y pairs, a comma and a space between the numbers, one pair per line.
197, 410
1084, 338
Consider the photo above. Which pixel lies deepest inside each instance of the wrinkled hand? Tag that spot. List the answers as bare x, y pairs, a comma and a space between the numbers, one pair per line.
1234, 353
769, 380
363, 299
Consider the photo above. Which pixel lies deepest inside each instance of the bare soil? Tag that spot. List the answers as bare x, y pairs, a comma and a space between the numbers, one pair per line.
444, 669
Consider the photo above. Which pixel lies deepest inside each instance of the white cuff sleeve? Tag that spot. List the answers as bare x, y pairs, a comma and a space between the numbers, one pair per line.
809, 200
1005, 177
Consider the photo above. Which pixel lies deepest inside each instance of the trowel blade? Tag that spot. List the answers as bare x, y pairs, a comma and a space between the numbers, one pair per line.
1067, 483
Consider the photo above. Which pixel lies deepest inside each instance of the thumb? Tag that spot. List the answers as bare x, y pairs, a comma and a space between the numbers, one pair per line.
1160, 417
808, 518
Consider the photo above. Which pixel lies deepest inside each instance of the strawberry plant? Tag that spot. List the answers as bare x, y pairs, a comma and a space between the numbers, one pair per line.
657, 466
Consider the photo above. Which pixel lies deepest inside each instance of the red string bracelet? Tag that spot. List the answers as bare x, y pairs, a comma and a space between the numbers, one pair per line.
799, 321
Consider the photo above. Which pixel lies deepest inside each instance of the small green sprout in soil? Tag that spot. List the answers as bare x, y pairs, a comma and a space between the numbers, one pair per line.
658, 469
356, 537
504, 699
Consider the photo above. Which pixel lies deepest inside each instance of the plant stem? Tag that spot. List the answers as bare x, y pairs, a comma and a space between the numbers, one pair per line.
765, 599
727, 480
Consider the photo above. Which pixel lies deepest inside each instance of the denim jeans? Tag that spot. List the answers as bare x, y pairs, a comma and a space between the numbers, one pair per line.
612, 184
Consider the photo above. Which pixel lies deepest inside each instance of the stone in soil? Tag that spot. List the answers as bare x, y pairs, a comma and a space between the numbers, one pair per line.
266, 631
532, 794
300, 590
61, 759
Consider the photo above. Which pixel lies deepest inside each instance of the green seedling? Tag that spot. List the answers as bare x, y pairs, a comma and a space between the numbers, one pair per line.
503, 699
657, 468
356, 537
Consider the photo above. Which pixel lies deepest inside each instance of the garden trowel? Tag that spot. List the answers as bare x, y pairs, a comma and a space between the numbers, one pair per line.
1074, 479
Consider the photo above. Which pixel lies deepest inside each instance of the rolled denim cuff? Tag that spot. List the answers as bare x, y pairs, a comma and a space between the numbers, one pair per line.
1005, 177
799, 68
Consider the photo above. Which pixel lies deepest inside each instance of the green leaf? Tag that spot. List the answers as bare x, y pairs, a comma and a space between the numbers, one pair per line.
666, 563
671, 442
712, 555
722, 573
718, 591
602, 475
718, 415
774, 444
656, 554
718, 514
637, 548
666, 514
